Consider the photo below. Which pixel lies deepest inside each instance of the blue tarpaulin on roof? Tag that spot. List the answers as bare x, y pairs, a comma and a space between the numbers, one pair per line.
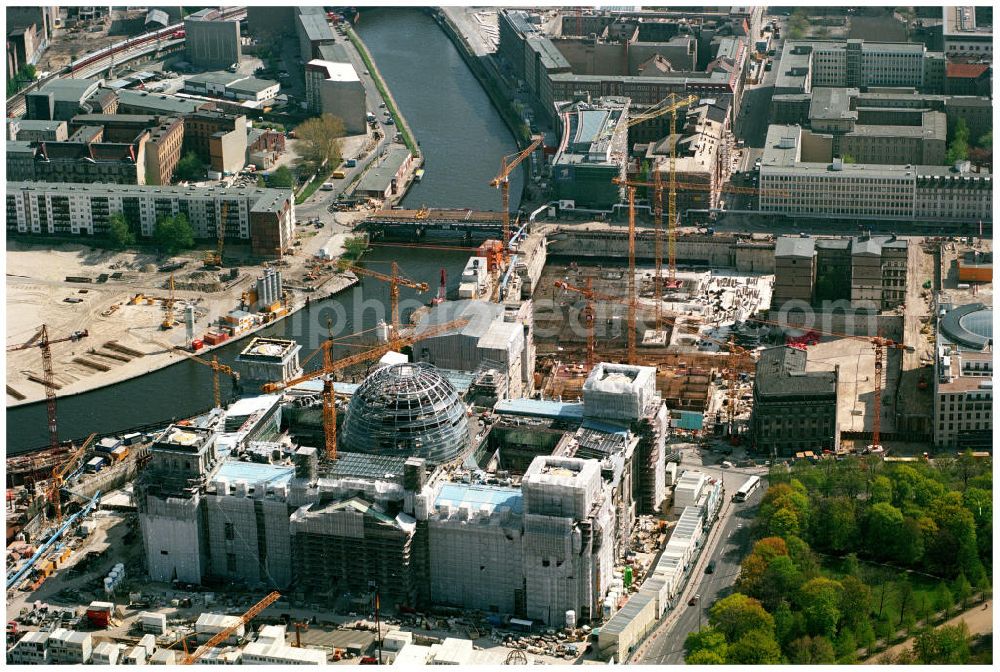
688, 420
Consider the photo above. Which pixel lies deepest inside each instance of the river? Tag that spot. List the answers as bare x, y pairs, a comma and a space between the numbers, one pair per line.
460, 133
463, 139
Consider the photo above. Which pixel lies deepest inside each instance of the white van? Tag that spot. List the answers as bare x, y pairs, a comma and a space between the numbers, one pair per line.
327, 186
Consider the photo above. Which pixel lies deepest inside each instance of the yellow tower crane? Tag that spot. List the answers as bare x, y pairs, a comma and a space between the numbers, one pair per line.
502, 181
225, 634
394, 280
59, 473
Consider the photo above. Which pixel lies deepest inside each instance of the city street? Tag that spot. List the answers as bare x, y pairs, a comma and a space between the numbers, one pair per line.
318, 205
727, 543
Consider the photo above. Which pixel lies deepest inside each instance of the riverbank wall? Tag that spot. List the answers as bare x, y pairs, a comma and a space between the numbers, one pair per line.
522, 134
409, 139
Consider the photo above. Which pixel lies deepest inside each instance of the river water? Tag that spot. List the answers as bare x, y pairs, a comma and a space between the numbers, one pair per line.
463, 139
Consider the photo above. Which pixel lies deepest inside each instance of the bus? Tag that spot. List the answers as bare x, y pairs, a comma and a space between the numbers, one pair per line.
747, 489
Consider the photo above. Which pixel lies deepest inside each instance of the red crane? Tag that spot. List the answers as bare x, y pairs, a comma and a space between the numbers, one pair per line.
41, 340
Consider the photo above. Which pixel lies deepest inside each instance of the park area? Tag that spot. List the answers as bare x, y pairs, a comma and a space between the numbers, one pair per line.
858, 559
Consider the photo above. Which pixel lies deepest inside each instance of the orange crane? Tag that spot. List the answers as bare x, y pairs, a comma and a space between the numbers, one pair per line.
168, 308
394, 280
41, 340
879, 344
59, 474
216, 370
502, 180
223, 635
331, 366
299, 627
215, 258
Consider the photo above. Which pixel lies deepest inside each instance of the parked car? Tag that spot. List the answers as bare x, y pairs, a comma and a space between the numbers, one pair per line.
694, 600
710, 568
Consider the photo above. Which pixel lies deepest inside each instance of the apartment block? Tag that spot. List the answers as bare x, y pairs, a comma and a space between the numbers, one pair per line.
262, 218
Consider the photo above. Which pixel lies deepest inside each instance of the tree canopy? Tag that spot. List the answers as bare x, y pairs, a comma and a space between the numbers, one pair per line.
173, 234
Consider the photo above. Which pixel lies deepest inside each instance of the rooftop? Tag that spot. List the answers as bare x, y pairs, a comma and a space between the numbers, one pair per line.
781, 371
477, 496
969, 326
335, 71
254, 473
541, 408
315, 27
158, 101
381, 176
795, 246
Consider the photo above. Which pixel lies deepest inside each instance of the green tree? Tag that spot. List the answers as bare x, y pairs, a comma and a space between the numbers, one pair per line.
881, 490
845, 651
756, 647
704, 657
947, 645
820, 599
855, 601
986, 140
118, 231
737, 614
189, 167
319, 140
958, 150
944, 600
173, 234
781, 578
707, 640
784, 523
963, 590
883, 526
282, 178
803, 557
834, 527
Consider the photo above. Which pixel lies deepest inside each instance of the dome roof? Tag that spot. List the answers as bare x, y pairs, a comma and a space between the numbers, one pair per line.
970, 325
407, 410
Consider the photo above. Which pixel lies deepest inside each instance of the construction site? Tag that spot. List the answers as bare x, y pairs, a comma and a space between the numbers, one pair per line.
495, 478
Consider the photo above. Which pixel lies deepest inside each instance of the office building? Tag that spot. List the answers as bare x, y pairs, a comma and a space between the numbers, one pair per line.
867, 272
36, 130
268, 360
212, 42
963, 380
964, 36
793, 410
232, 87
63, 99
313, 31
264, 218
800, 176
334, 88
806, 64
593, 150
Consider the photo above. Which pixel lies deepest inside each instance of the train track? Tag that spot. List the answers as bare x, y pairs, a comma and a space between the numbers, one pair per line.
118, 53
